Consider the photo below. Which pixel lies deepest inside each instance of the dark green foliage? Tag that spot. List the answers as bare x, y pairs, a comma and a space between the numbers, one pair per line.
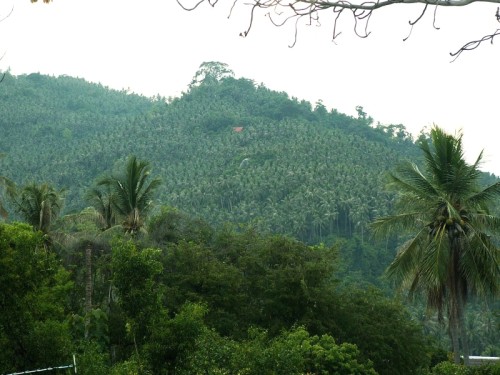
193, 273
135, 275
33, 296
301, 162
171, 225
292, 352
362, 260
211, 72
247, 279
168, 307
69, 122
172, 341
91, 360
182, 297
448, 368
483, 328
216, 121
383, 330
297, 352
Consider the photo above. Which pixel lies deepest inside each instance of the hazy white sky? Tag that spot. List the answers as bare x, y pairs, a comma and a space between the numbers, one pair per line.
154, 47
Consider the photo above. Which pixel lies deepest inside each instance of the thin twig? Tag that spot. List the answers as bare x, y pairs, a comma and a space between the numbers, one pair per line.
190, 9
474, 44
434, 20
12, 9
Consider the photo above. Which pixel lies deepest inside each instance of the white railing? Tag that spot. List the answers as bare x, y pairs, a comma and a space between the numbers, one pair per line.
73, 366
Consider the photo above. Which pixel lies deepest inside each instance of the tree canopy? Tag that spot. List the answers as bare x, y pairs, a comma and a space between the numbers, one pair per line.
33, 330
248, 260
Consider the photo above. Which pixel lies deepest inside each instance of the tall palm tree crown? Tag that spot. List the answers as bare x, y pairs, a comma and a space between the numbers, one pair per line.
132, 193
450, 254
39, 205
102, 201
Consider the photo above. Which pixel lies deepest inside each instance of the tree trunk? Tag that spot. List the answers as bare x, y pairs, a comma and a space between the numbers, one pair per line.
457, 303
453, 313
88, 287
454, 334
462, 328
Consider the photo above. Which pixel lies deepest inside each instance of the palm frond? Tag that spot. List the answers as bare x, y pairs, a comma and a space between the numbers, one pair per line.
484, 197
404, 267
409, 179
435, 260
480, 263
396, 224
484, 222
89, 214
436, 300
39, 205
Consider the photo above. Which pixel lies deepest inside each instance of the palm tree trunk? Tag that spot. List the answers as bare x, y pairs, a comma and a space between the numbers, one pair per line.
462, 328
457, 326
88, 287
452, 307
454, 334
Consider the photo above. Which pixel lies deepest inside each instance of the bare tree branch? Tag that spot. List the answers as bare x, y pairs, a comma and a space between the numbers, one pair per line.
8, 14
190, 8
281, 12
434, 21
474, 44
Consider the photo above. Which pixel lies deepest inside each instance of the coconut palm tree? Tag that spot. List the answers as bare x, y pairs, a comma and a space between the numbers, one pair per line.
39, 205
102, 201
89, 232
132, 193
450, 254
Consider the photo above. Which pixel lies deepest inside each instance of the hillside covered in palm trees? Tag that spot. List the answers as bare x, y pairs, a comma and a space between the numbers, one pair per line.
227, 150
218, 232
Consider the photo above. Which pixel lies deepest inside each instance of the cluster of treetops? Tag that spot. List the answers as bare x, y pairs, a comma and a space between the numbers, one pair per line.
132, 286
169, 294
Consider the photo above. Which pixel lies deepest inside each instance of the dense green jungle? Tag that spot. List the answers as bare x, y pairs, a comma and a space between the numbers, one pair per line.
255, 257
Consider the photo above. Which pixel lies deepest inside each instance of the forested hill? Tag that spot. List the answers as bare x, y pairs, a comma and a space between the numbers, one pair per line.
227, 150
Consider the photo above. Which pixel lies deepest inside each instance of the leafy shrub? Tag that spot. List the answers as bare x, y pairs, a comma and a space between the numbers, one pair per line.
91, 360
448, 368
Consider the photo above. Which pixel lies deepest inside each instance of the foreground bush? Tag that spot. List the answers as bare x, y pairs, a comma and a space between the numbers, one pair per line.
448, 368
